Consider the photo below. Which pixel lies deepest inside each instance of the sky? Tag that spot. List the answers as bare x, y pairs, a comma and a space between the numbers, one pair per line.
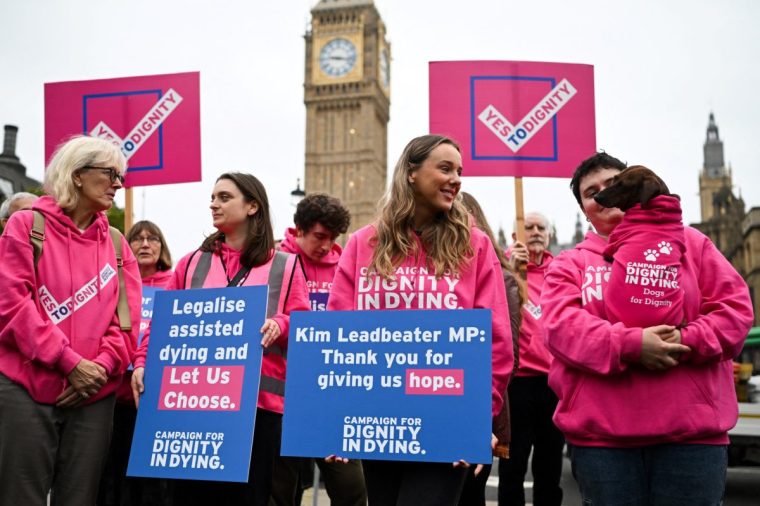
660, 68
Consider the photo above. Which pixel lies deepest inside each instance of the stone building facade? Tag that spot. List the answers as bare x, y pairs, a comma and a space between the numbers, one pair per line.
734, 231
13, 178
347, 98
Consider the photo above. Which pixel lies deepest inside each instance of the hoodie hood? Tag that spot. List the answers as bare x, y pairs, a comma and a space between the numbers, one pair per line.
159, 279
55, 217
661, 209
593, 243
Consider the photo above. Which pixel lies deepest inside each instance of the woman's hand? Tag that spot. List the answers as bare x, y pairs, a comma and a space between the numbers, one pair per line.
87, 378
138, 387
334, 458
69, 398
270, 332
479, 467
660, 347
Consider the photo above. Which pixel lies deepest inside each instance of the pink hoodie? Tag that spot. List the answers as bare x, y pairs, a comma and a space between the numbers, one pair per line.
647, 247
41, 338
295, 299
535, 359
605, 397
319, 273
158, 279
479, 285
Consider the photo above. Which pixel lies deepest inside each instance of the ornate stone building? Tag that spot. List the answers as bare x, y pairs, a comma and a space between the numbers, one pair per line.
347, 98
13, 178
735, 232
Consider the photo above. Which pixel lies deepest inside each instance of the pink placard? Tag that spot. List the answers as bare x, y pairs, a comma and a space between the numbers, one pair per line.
526, 119
155, 120
201, 388
434, 382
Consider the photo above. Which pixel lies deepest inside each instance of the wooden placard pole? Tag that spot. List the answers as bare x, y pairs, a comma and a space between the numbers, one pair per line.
519, 216
520, 233
128, 206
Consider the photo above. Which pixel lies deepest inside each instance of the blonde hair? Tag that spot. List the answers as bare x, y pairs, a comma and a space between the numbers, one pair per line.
77, 153
446, 238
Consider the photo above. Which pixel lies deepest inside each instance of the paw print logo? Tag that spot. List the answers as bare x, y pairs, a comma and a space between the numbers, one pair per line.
665, 247
651, 255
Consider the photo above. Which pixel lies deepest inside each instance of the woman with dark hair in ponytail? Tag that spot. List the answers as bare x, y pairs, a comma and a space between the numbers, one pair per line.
241, 253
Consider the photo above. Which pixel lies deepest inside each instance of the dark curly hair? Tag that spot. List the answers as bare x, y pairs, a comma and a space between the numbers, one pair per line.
323, 209
591, 164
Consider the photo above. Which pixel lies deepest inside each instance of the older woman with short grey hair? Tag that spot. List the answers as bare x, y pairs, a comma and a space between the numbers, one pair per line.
63, 347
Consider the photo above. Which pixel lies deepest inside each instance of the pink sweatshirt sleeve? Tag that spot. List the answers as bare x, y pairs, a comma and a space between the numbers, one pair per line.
21, 325
491, 295
298, 299
725, 313
118, 346
175, 283
343, 293
576, 336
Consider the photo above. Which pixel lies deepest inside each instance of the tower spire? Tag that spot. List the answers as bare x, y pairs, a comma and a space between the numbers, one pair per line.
714, 164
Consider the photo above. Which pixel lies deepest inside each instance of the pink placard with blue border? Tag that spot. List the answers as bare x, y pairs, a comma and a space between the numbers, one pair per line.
526, 119
155, 120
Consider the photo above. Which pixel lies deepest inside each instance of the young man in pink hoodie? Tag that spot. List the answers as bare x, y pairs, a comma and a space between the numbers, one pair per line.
531, 401
645, 411
319, 220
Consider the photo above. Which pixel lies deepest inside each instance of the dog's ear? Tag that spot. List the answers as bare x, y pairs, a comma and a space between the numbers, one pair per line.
650, 188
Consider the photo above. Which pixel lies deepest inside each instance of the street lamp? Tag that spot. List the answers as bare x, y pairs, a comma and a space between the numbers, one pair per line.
297, 194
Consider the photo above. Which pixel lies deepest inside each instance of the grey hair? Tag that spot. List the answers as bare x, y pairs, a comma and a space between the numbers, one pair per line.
76, 153
5, 209
543, 217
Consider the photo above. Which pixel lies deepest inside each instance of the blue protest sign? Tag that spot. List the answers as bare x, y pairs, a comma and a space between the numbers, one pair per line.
389, 385
146, 312
198, 411
318, 300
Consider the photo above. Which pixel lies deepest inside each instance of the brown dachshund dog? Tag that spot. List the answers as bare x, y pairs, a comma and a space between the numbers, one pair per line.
634, 185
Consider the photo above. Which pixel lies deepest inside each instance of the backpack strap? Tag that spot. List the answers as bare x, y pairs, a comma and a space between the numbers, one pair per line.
122, 307
37, 235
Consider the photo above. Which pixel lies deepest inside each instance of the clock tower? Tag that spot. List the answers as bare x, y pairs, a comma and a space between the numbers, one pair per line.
347, 98
714, 175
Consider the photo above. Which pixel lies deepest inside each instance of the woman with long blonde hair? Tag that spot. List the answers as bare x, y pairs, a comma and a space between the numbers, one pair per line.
424, 231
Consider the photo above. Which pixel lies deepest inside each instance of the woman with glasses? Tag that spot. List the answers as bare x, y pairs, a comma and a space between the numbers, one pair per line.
63, 347
155, 262
241, 253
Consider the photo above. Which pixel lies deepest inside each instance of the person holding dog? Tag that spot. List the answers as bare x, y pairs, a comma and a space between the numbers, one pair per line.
645, 411
646, 250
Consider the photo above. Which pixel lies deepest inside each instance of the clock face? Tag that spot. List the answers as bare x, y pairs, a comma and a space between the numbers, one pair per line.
385, 68
337, 57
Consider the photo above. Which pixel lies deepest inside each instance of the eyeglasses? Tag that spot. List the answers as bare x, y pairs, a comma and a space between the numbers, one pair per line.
152, 239
113, 174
